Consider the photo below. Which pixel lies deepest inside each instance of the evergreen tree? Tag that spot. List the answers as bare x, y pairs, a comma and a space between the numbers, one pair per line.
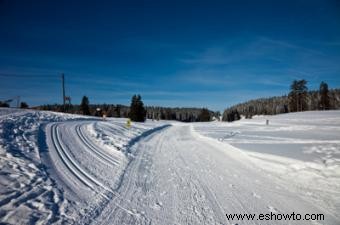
23, 105
324, 98
298, 96
204, 116
133, 108
137, 110
4, 104
293, 97
303, 95
84, 106
117, 110
231, 115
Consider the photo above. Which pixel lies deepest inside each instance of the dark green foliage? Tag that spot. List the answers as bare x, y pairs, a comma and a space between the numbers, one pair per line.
180, 114
4, 104
204, 116
298, 96
117, 110
57, 108
293, 97
262, 106
84, 106
23, 105
137, 111
249, 112
324, 98
231, 115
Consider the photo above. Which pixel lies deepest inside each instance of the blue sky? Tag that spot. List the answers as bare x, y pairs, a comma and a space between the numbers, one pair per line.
174, 53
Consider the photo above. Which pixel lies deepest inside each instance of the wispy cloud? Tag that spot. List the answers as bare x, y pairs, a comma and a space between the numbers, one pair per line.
210, 56
276, 44
260, 60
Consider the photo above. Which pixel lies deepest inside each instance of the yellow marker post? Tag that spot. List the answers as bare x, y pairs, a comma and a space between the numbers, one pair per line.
128, 123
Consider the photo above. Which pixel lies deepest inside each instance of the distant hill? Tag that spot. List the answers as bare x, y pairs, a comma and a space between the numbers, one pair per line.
277, 105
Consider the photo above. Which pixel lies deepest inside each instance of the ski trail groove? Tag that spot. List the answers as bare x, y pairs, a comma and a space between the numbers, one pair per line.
100, 154
78, 172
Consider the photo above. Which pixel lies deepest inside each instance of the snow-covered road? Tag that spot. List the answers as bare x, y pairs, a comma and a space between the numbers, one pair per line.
179, 178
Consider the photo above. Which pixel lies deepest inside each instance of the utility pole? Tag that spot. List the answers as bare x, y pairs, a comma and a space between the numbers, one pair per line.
63, 86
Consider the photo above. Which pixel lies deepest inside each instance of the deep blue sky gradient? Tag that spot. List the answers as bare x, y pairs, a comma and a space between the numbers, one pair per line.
174, 53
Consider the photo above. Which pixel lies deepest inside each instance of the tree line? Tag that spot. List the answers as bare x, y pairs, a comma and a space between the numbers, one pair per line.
299, 99
136, 111
181, 114
5, 104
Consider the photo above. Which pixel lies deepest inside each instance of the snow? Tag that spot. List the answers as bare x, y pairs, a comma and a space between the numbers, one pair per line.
60, 169
47, 163
300, 150
27, 194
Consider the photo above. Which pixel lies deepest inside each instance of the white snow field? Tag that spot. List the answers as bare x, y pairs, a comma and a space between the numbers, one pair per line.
67, 169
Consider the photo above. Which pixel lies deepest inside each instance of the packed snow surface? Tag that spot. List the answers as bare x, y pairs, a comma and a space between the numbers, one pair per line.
300, 150
68, 169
